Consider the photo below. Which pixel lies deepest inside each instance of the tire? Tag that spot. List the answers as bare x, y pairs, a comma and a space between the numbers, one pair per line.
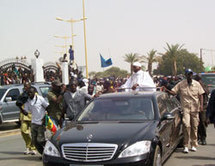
157, 159
181, 143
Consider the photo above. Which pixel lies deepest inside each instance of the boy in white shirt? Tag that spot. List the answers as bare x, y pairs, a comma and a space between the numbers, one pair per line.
37, 106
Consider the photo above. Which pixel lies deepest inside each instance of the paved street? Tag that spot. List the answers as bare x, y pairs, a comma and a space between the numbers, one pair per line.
12, 147
205, 155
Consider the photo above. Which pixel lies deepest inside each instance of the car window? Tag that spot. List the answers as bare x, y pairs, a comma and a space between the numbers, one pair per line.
2, 92
167, 103
170, 103
118, 110
174, 102
44, 90
208, 79
13, 93
162, 104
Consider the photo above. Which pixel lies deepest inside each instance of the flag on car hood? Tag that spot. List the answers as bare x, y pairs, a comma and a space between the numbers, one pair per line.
50, 124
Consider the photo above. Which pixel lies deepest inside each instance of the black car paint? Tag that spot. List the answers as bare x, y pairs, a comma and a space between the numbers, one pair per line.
124, 134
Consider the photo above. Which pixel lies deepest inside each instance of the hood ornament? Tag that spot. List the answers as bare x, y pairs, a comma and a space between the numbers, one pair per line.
89, 137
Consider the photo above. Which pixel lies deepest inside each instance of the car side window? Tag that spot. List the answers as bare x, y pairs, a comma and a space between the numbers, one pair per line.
13, 93
169, 104
174, 102
162, 105
44, 91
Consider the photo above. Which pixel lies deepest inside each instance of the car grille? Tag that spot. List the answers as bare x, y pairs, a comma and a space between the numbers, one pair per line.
88, 152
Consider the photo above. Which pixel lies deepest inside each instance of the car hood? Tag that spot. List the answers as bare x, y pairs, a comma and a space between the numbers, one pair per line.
117, 133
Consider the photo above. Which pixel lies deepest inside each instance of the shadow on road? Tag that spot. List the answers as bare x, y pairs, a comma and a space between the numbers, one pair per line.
9, 126
210, 144
205, 165
14, 153
19, 156
196, 158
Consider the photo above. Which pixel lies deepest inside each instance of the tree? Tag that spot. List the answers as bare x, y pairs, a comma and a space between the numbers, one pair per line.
184, 60
112, 72
151, 58
172, 51
92, 74
189, 60
131, 58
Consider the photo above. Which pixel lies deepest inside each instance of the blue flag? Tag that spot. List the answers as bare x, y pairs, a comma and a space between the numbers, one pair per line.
105, 63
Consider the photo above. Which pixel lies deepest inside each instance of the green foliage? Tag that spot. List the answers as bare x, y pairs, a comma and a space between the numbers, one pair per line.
131, 58
92, 74
112, 72
184, 60
151, 58
172, 52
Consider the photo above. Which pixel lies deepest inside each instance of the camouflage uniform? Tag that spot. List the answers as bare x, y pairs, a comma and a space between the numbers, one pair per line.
55, 109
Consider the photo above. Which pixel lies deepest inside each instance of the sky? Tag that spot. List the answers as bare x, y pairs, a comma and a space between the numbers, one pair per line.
113, 28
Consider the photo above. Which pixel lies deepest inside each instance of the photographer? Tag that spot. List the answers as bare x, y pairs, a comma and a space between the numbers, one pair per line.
37, 105
25, 121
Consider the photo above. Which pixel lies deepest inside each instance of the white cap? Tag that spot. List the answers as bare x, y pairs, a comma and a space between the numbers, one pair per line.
138, 64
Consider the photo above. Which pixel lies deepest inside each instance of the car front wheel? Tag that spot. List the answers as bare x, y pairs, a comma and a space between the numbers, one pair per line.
157, 160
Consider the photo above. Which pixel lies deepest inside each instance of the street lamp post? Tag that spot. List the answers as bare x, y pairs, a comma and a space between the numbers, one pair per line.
65, 38
85, 41
70, 21
72, 35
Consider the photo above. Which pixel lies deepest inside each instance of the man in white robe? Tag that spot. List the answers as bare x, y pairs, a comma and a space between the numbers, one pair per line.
139, 80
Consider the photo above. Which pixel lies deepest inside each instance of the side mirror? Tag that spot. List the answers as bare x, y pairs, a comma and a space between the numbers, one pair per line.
8, 99
167, 116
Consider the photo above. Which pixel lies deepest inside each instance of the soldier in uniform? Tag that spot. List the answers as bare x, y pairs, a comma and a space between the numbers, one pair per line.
191, 98
55, 98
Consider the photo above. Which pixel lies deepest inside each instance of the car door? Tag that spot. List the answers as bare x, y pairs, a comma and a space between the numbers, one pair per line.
10, 110
176, 133
165, 126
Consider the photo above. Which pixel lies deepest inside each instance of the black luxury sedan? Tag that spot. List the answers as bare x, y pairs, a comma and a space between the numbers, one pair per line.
126, 129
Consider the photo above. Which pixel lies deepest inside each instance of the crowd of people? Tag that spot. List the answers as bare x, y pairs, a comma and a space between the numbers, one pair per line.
65, 101
15, 75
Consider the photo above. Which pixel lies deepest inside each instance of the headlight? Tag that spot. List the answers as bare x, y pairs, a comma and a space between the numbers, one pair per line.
136, 149
51, 150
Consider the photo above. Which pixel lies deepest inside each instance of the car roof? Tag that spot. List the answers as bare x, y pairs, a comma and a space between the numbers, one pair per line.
21, 85
41, 83
10, 86
207, 73
131, 94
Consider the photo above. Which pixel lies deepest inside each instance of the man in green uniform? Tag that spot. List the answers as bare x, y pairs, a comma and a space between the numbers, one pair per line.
55, 98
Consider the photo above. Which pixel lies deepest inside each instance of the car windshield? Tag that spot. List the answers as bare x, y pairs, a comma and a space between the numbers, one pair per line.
2, 91
123, 109
208, 79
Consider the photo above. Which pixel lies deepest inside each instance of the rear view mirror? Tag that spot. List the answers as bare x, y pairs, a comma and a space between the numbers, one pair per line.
167, 116
8, 99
